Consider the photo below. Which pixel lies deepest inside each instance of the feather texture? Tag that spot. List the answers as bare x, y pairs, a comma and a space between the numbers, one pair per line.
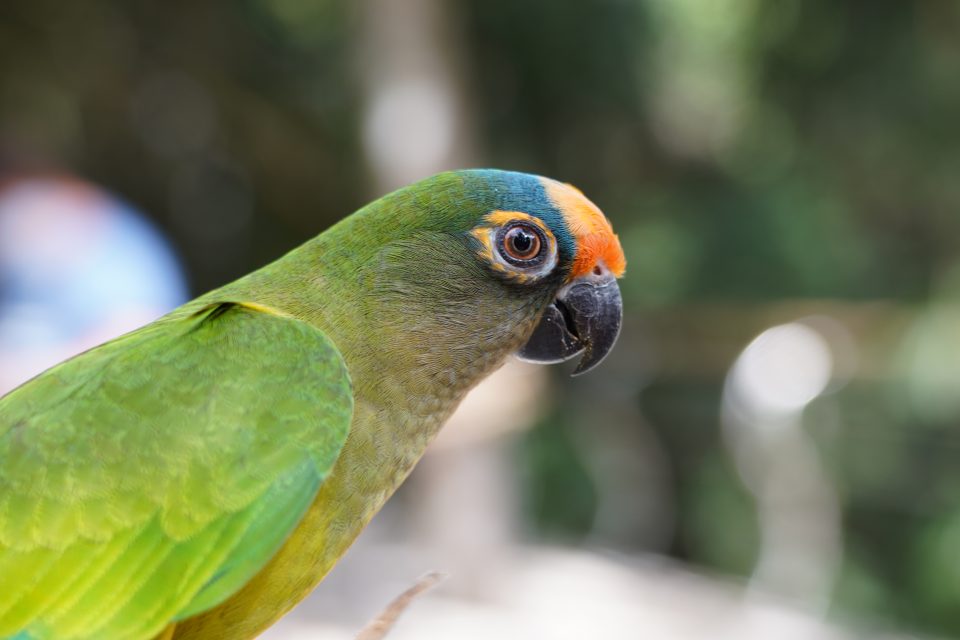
149, 478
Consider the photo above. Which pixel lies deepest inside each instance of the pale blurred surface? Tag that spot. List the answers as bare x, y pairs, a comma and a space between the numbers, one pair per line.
547, 593
773, 448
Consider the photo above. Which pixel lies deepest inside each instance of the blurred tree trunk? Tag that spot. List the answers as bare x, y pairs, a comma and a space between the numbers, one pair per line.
417, 116
417, 122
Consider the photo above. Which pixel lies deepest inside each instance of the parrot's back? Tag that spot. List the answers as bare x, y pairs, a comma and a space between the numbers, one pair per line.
149, 478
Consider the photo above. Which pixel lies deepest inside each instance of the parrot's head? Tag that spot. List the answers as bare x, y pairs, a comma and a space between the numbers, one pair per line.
481, 263
544, 239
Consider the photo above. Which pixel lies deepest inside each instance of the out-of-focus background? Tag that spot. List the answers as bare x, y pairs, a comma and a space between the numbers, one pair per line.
773, 449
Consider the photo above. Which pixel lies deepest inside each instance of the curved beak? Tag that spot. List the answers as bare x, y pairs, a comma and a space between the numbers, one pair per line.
585, 318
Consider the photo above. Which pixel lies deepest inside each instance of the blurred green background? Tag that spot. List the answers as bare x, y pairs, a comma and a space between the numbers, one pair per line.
765, 164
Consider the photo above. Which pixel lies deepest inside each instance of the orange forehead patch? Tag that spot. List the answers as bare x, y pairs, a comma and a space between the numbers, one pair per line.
595, 238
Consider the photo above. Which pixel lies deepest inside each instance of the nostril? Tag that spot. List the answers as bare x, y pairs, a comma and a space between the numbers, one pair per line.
597, 271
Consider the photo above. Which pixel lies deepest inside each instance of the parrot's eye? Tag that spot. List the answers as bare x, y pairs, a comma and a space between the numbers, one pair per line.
516, 245
521, 244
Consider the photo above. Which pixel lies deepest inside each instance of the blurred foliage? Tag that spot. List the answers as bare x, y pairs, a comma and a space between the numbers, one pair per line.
560, 493
747, 153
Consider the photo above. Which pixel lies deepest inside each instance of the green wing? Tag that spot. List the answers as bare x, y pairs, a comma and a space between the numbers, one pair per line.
148, 479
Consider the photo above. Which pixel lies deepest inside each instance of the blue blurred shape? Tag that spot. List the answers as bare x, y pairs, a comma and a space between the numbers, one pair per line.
77, 267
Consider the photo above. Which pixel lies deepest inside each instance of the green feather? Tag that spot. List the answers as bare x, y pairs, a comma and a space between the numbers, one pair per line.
148, 479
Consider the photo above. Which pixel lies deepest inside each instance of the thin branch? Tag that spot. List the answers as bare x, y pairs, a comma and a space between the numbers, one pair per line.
381, 625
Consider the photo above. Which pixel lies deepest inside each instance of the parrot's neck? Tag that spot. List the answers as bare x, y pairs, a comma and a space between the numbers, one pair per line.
414, 340
412, 356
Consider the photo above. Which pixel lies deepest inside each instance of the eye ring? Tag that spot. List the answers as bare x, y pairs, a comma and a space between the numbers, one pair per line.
521, 244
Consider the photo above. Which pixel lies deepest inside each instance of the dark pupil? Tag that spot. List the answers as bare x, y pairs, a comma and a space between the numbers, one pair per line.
522, 241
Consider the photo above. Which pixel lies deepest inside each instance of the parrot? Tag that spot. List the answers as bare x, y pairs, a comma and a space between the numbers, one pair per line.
196, 478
